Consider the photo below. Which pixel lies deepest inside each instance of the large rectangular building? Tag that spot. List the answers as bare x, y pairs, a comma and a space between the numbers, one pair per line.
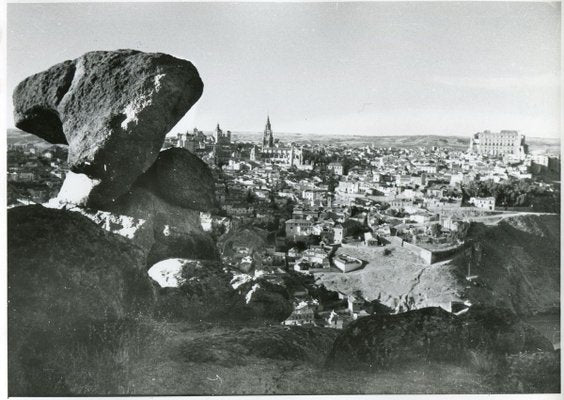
498, 143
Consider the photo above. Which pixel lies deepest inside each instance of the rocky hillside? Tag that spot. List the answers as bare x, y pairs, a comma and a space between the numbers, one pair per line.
517, 264
432, 334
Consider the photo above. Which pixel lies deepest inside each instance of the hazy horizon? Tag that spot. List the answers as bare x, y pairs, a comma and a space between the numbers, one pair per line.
367, 69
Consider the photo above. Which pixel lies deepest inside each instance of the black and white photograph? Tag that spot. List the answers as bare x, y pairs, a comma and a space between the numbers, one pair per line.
282, 198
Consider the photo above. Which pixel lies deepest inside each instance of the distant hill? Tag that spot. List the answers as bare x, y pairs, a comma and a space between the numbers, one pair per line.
17, 137
456, 142
549, 145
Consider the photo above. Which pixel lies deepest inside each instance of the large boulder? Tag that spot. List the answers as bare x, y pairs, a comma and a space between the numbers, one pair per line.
113, 109
195, 290
177, 231
138, 231
182, 179
70, 283
266, 300
202, 290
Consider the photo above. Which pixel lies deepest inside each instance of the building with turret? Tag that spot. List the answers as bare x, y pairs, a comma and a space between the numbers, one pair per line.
191, 141
221, 146
220, 137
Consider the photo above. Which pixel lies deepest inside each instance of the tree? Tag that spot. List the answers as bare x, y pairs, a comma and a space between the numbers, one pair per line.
436, 230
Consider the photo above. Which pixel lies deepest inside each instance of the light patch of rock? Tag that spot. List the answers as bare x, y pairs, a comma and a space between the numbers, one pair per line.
76, 189
250, 293
168, 273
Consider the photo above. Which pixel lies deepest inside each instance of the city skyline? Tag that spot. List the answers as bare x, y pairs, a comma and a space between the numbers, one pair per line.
327, 68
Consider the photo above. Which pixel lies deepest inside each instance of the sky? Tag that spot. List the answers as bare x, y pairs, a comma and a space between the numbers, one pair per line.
365, 68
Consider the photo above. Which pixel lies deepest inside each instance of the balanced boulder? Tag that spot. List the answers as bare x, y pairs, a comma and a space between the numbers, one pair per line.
113, 109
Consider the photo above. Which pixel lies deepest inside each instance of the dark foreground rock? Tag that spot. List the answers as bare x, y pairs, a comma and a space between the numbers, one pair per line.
498, 330
182, 179
243, 346
517, 264
379, 341
70, 286
177, 231
199, 290
113, 109
432, 334
537, 372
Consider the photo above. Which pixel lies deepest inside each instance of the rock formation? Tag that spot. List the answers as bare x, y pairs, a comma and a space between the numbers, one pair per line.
67, 279
517, 264
73, 285
384, 340
177, 231
113, 109
432, 334
181, 179
197, 290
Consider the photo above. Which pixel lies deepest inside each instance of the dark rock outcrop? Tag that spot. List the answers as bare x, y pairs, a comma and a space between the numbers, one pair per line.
431, 334
517, 264
243, 346
113, 109
383, 340
203, 293
266, 300
69, 284
182, 179
200, 290
177, 231
538, 372
498, 330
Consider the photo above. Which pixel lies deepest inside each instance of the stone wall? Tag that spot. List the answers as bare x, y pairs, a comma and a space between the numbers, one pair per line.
428, 256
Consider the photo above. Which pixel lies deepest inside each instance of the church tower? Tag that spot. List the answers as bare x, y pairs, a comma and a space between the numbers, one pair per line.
217, 134
268, 139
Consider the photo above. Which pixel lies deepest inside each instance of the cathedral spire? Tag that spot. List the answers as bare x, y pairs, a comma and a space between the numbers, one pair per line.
268, 138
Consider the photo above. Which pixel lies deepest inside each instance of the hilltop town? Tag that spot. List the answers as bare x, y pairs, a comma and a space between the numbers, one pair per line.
322, 211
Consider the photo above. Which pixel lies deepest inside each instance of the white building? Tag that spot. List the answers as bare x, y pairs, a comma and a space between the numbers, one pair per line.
347, 263
486, 203
498, 143
298, 228
336, 167
338, 234
348, 187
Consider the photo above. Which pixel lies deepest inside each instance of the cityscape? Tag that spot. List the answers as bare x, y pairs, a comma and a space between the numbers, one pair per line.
318, 209
243, 199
